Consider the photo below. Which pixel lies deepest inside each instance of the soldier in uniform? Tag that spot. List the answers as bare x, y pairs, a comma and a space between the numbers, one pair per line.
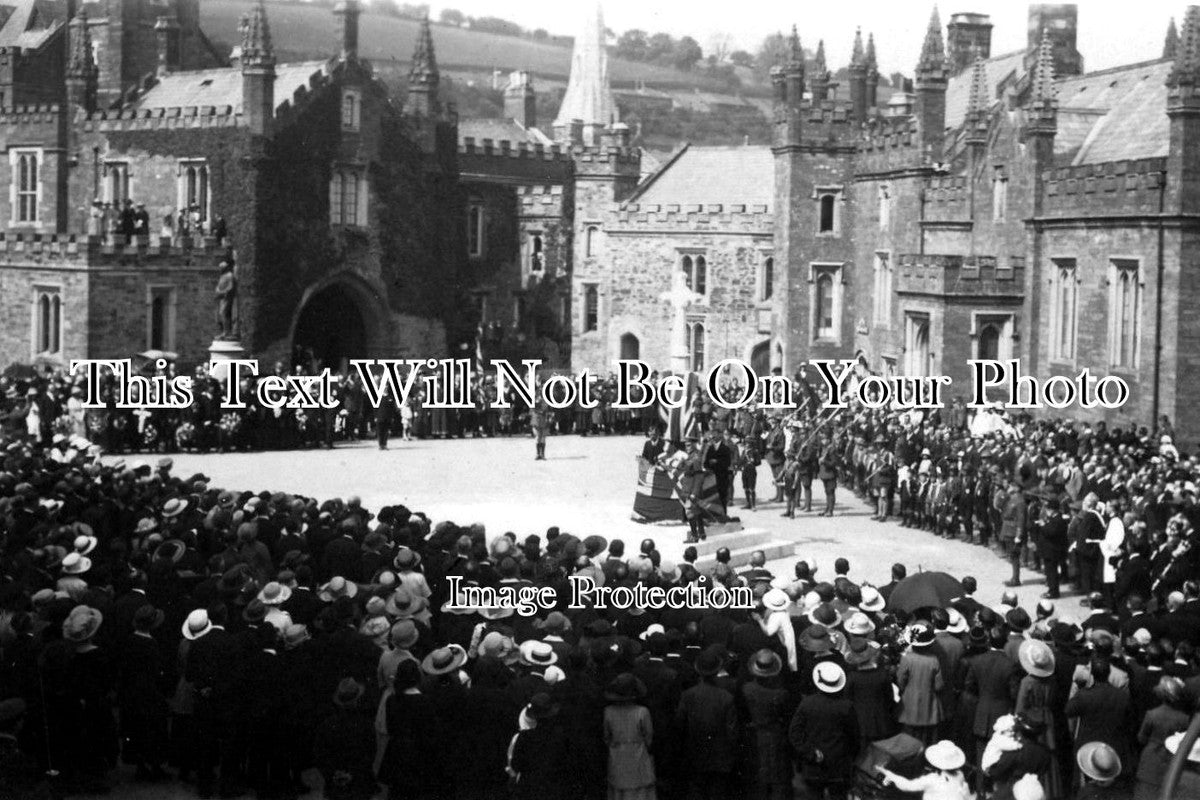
827, 474
693, 486
539, 421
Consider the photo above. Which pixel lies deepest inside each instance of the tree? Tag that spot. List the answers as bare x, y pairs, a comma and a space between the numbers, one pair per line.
770, 53
413, 11
741, 58
632, 45
687, 53
452, 16
659, 47
719, 45
496, 25
387, 8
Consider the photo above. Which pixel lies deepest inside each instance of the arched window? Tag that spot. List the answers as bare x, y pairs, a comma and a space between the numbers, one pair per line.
1065, 309
700, 276
989, 342
828, 209
47, 321
631, 348
696, 346
685, 264
1126, 303
591, 241
767, 281
537, 259
351, 111
28, 186
824, 305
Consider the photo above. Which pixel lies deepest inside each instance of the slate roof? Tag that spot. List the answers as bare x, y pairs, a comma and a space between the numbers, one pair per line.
958, 92
29, 24
481, 128
1130, 108
713, 175
221, 87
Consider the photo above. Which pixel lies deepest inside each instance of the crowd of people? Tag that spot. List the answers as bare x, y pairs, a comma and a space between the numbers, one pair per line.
235, 640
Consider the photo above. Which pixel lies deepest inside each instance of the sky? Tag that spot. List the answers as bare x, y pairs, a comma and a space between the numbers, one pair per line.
1110, 33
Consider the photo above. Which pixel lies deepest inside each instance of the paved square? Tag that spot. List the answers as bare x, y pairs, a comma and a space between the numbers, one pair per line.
586, 486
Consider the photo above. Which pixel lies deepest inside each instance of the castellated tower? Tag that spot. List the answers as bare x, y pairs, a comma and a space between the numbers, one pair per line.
813, 145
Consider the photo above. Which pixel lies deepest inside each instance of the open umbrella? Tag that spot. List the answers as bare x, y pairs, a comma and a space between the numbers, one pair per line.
925, 590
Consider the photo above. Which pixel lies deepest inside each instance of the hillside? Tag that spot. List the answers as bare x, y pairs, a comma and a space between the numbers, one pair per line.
302, 32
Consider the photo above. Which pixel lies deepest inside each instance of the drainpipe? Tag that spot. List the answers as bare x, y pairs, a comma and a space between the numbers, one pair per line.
1158, 301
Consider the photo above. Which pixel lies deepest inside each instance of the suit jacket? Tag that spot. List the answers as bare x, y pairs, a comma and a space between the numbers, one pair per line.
827, 723
707, 723
921, 682
1103, 714
994, 679
343, 556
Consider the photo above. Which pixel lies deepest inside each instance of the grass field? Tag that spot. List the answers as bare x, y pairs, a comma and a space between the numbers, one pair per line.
307, 32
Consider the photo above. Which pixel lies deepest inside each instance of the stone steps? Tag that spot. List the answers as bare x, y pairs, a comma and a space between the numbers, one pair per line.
740, 556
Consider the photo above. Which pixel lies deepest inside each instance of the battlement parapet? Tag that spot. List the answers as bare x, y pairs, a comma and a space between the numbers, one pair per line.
81, 250
947, 189
961, 276
130, 119
41, 113
745, 218
1112, 187
505, 148
890, 134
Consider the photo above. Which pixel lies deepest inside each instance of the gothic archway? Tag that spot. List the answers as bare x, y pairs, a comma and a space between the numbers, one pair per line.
338, 320
631, 348
760, 358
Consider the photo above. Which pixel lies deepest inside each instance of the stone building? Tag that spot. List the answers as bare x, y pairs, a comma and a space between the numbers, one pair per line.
338, 206
1022, 208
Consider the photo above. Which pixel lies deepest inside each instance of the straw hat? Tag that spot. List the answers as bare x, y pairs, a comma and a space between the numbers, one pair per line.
1100, 762
274, 594
945, 755
444, 660
75, 564
1036, 658
85, 544
535, 653
174, 507
776, 600
872, 601
197, 624
81, 624
829, 677
859, 624
338, 587
958, 623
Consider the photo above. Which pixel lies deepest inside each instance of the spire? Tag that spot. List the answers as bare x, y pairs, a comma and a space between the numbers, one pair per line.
81, 63
819, 66
872, 64
1187, 54
424, 61
589, 96
1041, 82
856, 56
256, 39
795, 59
933, 52
1171, 43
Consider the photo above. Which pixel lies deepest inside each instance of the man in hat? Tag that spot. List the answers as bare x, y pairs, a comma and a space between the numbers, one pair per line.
824, 734
692, 483
707, 720
141, 686
212, 668
344, 746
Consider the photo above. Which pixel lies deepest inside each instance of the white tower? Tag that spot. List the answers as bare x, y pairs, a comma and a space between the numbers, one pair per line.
589, 99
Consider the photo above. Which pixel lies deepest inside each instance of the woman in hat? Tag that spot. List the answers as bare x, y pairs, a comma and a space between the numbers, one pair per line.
769, 707
344, 746
628, 733
540, 753
869, 690
89, 681
1037, 701
1169, 717
920, 680
409, 763
944, 782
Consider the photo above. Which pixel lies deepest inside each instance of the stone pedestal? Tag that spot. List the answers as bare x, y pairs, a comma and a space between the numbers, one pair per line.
224, 350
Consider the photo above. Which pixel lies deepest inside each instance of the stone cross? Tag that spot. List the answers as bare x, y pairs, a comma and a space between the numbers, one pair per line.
680, 297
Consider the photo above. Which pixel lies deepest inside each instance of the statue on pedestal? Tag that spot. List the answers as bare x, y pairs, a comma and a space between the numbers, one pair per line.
226, 293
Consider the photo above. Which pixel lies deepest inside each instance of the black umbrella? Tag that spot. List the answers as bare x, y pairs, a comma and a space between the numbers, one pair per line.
924, 590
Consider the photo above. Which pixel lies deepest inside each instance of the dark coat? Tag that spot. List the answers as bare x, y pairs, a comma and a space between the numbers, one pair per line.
344, 749
826, 725
539, 755
994, 679
870, 692
1103, 714
707, 721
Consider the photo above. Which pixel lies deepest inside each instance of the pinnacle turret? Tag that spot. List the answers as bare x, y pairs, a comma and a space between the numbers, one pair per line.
979, 102
857, 59
1042, 81
82, 63
872, 64
932, 64
256, 39
1171, 42
1186, 71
